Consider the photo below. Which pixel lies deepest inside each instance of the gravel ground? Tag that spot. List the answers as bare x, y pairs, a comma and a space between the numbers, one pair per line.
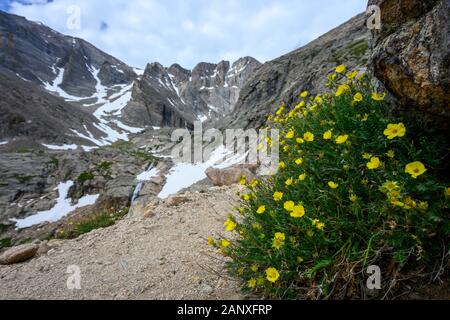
161, 257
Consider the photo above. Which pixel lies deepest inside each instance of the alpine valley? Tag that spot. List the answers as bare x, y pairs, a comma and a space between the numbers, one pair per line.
87, 176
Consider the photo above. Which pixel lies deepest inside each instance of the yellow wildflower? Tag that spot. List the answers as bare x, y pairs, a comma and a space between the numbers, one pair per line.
278, 240
277, 196
300, 105
423, 205
230, 225
390, 186
309, 137
289, 205
353, 198
243, 180
358, 97
254, 183
328, 135
352, 75
282, 165
319, 225
300, 141
390, 154
341, 90
365, 118
211, 241
289, 182
378, 96
251, 283
342, 139
247, 197
254, 268
302, 177
281, 110
290, 134
395, 130
318, 100
257, 226
304, 94
261, 210
367, 156
340, 69
298, 211
225, 243
272, 275
333, 185
415, 169
299, 161
374, 163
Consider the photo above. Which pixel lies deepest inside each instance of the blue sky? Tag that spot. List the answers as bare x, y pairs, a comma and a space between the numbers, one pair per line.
190, 31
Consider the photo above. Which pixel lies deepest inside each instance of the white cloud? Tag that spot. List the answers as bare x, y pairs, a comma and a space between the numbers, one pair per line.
187, 32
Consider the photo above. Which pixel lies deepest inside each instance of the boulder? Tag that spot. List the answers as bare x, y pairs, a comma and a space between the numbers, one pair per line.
411, 57
231, 175
141, 209
19, 254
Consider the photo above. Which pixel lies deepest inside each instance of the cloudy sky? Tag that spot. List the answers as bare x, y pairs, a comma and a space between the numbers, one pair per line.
190, 31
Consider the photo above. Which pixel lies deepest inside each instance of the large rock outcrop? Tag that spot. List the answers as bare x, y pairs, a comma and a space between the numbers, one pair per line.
411, 57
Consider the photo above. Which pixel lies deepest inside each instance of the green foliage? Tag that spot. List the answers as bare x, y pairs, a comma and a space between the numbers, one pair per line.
5, 243
24, 179
88, 224
55, 161
359, 48
85, 176
348, 199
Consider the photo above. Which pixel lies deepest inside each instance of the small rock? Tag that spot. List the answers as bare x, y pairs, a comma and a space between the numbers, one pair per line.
19, 254
44, 248
141, 211
175, 201
207, 289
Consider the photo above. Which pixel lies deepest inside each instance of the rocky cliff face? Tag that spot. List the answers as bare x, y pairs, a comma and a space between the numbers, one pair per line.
29, 112
43, 56
412, 57
281, 80
177, 97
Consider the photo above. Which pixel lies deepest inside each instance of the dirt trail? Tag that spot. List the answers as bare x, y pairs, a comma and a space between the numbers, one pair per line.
161, 257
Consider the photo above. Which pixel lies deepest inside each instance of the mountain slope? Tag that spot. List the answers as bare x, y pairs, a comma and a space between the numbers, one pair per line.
28, 111
41, 55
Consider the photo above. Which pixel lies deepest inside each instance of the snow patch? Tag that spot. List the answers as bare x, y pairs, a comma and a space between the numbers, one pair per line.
138, 71
63, 147
184, 175
56, 86
62, 208
148, 174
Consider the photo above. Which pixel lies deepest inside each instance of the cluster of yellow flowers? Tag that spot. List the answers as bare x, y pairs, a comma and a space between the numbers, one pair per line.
294, 143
